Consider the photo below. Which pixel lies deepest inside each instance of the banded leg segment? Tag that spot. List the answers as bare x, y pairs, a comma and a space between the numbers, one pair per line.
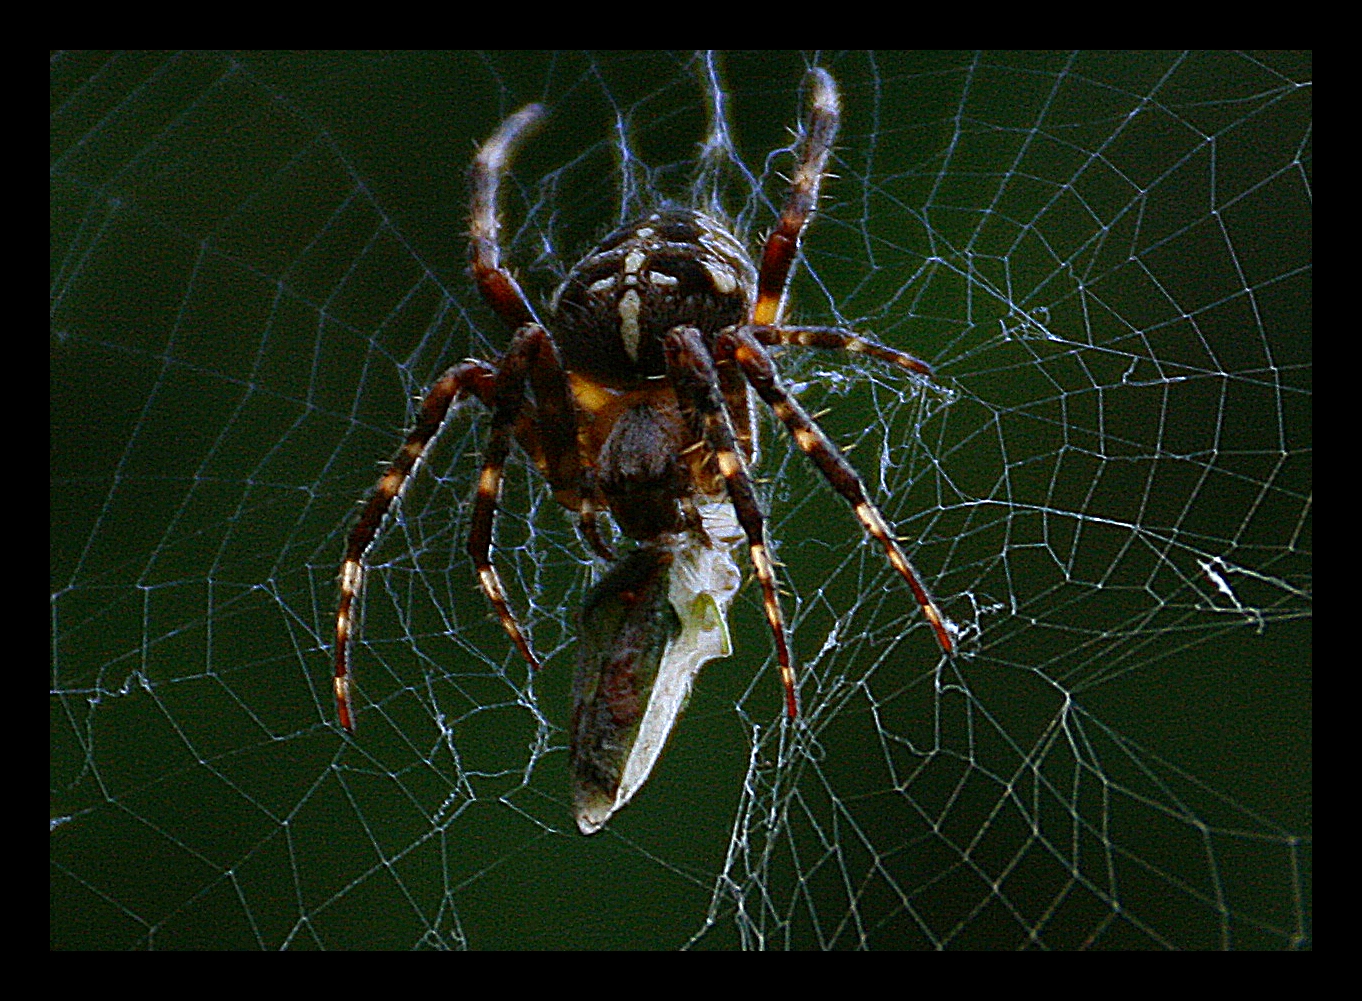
496, 283
693, 376
837, 339
743, 346
531, 352
736, 394
783, 244
476, 377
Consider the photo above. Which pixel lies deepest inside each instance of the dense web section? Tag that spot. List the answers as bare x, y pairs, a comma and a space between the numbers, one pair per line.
258, 264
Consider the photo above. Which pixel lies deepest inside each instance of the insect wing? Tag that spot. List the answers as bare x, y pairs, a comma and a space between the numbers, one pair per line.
646, 630
703, 581
626, 623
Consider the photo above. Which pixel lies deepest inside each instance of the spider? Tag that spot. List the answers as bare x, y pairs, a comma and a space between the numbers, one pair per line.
640, 377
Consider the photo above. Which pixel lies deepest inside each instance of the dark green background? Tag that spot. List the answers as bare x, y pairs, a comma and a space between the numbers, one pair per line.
256, 263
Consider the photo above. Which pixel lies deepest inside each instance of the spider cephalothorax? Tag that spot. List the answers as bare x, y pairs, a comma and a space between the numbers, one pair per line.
611, 319
640, 385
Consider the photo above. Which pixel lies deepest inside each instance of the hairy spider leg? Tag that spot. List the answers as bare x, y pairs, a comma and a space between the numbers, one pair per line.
547, 433
533, 356
696, 382
476, 377
556, 421
782, 246
837, 339
737, 401
743, 346
496, 283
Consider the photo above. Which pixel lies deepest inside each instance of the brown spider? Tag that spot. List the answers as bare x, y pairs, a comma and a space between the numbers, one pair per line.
640, 379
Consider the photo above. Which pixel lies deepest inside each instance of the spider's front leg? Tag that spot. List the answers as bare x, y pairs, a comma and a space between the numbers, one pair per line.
698, 390
495, 281
782, 246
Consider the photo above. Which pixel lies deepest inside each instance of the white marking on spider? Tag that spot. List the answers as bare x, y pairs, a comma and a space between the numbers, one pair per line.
489, 483
722, 277
629, 310
352, 576
871, 519
806, 440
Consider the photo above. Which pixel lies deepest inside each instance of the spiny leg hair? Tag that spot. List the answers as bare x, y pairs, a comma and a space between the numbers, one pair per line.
782, 246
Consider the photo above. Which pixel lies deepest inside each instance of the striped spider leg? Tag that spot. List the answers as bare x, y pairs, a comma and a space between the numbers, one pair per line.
546, 430
745, 347
742, 348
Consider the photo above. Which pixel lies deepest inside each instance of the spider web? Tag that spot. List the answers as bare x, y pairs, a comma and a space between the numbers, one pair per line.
257, 266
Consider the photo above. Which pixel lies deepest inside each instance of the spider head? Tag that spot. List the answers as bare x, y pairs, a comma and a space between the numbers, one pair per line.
669, 268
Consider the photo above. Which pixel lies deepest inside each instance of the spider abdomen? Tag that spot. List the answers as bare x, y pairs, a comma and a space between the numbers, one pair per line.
672, 268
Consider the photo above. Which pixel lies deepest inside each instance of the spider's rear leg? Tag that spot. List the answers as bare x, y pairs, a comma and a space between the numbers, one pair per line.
476, 377
743, 346
697, 388
533, 356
